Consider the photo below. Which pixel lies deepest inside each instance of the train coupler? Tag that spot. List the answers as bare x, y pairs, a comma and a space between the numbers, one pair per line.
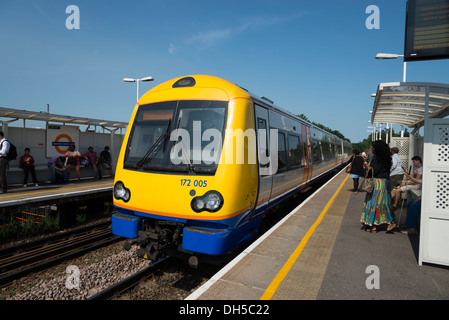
155, 244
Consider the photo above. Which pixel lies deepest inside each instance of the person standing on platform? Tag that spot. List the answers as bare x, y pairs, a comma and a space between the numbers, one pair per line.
93, 158
4, 149
376, 208
356, 171
396, 174
396, 171
106, 160
27, 164
370, 154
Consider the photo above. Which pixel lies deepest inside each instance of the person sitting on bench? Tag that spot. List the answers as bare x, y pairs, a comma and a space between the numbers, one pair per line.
413, 182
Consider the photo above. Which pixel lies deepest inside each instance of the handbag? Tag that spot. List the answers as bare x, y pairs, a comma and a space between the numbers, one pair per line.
367, 184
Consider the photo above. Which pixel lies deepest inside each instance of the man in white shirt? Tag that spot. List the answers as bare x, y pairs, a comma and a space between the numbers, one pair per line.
396, 171
4, 149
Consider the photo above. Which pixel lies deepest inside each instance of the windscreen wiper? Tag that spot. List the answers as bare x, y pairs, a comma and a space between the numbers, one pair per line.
155, 148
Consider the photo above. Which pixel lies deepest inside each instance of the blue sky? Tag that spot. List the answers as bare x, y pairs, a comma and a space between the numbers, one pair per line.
314, 57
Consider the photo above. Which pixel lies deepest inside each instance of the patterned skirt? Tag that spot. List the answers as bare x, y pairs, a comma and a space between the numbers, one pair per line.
376, 208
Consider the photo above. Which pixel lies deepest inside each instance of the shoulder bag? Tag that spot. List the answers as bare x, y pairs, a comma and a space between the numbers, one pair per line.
367, 184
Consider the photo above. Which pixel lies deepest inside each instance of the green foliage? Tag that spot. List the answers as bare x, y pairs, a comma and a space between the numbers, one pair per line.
366, 143
319, 125
16, 230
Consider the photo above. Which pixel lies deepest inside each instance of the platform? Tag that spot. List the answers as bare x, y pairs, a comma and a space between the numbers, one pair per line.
47, 193
319, 252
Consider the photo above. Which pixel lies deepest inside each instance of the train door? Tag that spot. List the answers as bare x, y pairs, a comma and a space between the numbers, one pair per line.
263, 145
307, 154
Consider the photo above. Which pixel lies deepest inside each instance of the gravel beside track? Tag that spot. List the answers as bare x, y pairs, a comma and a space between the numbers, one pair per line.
98, 269
102, 268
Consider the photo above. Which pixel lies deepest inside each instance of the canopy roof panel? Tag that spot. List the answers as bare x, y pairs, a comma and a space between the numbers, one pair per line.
404, 103
43, 116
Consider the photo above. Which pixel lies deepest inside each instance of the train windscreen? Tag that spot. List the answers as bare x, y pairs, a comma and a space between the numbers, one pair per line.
184, 135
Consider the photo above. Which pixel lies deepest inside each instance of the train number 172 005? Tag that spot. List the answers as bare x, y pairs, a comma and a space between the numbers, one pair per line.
196, 183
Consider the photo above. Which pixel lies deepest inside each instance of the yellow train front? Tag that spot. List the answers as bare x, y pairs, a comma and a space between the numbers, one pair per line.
190, 175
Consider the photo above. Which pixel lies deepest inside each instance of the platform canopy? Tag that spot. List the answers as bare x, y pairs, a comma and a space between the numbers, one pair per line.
43, 116
404, 103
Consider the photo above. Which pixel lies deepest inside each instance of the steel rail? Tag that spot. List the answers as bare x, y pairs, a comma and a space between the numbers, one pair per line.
19, 265
131, 281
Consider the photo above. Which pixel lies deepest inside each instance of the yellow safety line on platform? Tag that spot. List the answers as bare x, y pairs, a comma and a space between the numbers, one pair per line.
271, 290
47, 191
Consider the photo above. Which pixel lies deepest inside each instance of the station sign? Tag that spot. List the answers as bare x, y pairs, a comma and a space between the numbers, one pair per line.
60, 138
427, 30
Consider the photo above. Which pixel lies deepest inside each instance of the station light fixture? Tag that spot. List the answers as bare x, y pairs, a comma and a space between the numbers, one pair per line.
145, 79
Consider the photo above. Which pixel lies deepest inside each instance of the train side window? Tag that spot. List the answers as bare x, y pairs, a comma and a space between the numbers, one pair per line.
262, 125
294, 151
282, 154
316, 152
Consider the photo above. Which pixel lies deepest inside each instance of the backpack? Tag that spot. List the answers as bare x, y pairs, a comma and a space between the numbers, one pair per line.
12, 153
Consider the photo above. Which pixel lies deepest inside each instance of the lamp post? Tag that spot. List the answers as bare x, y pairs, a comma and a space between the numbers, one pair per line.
393, 56
404, 74
138, 80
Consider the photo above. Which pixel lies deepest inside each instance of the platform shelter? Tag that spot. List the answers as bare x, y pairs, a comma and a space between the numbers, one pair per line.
58, 132
417, 105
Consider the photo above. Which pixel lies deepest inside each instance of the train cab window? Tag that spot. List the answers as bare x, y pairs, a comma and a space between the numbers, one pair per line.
194, 147
282, 152
294, 151
150, 125
204, 122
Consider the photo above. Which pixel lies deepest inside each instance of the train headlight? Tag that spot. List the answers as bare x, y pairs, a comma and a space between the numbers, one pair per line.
120, 192
211, 201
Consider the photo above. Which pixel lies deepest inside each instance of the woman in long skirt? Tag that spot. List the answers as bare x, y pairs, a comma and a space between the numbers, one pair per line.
376, 208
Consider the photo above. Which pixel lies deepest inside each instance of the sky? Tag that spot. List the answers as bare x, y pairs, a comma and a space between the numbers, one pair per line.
311, 57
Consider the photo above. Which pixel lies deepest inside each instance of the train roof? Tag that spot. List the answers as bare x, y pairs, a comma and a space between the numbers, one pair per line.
270, 103
199, 79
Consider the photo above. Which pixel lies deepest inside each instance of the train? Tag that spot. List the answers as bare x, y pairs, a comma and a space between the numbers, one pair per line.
204, 160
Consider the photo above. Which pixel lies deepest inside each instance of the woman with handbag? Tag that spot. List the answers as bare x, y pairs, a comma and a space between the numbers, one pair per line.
376, 208
356, 170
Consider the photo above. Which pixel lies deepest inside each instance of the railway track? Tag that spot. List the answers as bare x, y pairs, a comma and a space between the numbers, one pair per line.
19, 261
131, 281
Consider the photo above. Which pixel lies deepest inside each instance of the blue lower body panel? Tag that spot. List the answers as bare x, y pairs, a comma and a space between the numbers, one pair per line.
201, 236
125, 225
218, 241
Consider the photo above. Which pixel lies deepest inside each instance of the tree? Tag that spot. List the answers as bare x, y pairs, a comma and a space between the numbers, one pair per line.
319, 125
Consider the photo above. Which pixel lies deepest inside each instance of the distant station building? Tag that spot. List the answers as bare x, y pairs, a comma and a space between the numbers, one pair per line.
60, 131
